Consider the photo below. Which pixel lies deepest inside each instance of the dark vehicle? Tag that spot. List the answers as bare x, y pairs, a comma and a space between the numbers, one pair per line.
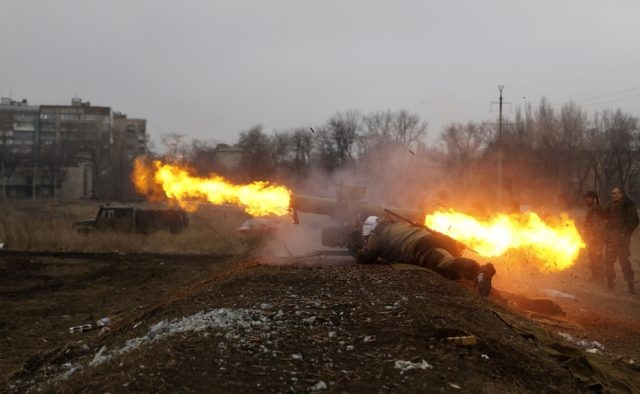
257, 231
131, 219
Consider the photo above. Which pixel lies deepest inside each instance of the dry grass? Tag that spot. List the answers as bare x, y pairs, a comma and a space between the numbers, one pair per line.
46, 226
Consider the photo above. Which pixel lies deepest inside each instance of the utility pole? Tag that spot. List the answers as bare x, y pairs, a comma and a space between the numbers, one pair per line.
499, 146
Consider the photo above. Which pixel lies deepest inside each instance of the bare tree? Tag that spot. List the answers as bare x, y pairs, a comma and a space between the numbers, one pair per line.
464, 144
547, 127
301, 143
621, 163
595, 155
521, 132
174, 145
408, 128
281, 149
573, 170
257, 156
291, 152
378, 130
202, 156
335, 141
389, 128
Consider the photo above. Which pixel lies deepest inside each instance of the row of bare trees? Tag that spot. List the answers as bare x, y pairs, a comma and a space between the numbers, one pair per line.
556, 151
545, 151
348, 141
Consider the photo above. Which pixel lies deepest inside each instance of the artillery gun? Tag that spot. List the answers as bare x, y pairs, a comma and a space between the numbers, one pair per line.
349, 210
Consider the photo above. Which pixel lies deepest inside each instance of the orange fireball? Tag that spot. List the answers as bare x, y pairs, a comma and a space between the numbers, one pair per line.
159, 181
555, 243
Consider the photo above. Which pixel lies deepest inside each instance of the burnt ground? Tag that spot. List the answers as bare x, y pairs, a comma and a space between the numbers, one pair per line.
213, 323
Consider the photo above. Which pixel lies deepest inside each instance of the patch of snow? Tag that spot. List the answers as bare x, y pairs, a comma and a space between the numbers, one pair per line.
223, 318
590, 346
318, 386
70, 370
404, 366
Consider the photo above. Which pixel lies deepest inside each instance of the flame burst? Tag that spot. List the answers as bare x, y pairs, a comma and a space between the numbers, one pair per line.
555, 244
160, 181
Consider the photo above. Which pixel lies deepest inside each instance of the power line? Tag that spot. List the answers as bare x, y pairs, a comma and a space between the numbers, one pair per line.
607, 94
612, 101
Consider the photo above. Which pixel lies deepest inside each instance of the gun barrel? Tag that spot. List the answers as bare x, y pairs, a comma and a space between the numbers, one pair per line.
312, 204
346, 210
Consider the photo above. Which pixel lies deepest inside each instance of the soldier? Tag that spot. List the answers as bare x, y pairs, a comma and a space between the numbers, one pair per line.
622, 220
594, 236
412, 244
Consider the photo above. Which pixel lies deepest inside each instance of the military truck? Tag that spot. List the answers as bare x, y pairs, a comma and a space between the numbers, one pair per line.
125, 218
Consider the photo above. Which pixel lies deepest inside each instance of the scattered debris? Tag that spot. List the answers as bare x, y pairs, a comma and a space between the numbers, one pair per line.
82, 328
589, 346
318, 386
468, 340
100, 323
404, 366
558, 294
71, 369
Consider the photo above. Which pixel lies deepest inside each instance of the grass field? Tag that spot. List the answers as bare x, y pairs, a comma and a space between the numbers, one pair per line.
46, 226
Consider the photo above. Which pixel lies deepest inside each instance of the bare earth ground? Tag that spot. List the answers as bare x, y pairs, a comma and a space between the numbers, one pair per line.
307, 325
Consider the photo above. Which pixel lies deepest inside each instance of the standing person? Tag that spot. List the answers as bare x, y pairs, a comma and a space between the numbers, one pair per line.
594, 236
411, 244
622, 220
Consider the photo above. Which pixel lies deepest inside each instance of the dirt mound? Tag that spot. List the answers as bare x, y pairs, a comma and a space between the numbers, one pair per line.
239, 326
348, 328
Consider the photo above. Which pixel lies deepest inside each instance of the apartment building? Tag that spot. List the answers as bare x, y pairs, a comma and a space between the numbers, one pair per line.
129, 140
19, 126
66, 151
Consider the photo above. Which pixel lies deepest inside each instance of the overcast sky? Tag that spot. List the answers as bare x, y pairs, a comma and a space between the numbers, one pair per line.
210, 69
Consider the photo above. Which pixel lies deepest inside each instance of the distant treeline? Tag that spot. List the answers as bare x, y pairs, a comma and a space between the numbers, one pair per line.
543, 154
